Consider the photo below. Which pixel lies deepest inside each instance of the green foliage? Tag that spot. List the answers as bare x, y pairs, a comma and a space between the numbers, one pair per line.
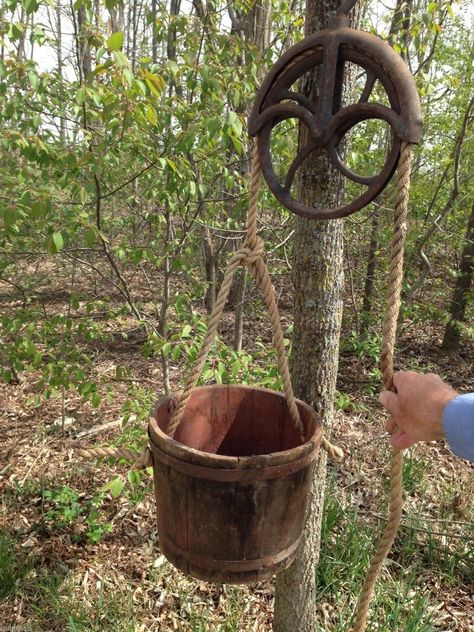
49, 348
11, 570
401, 601
113, 178
49, 594
343, 401
365, 347
64, 506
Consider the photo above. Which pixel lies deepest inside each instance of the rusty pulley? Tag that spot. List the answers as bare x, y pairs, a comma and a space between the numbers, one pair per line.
326, 118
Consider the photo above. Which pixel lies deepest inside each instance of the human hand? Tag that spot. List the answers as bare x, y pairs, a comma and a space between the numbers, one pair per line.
416, 409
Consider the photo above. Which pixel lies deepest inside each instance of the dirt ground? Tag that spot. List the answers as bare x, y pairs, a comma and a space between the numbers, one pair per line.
36, 454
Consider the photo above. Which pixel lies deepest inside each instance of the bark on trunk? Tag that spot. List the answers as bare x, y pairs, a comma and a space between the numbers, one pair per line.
457, 310
85, 58
370, 273
211, 268
254, 27
117, 17
239, 310
318, 280
59, 54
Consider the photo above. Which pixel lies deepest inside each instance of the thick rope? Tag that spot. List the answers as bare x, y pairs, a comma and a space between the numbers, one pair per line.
250, 255
141, 459
388, 345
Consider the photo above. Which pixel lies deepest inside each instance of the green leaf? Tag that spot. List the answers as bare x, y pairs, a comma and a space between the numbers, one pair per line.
81, 95
133, 477
186, 331
37, 358
212, 126
234, 121
207, 375
127, 74
111, 4
115, 41
34, 79
151, 115
235, 368
38, 209
120, 59
236, 99
155, 83
30, 6
90, 237
58, 241
95, 399
55, 243
10, 216
115, 487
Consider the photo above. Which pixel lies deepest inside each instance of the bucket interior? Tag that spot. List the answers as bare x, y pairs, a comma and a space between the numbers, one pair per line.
237, 421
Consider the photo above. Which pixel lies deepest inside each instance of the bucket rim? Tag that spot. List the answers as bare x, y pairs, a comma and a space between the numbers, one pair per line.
163, 443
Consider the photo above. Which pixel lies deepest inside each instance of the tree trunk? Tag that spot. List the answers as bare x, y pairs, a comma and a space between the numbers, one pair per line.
116, 17
210, 266
59, 53
239, 310
85, 59
370, 273
448, 207
154, 43
255, 27
457, 310
318, 284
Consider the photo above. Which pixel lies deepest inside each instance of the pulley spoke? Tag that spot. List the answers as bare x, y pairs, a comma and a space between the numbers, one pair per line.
299, 158
369, 86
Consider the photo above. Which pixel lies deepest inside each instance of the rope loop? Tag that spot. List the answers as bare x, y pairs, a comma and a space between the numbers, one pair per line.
249, 253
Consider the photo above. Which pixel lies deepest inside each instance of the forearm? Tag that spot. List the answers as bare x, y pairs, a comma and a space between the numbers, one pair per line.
458, 425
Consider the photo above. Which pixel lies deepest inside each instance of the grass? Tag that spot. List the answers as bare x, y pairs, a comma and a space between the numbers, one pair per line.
49, 594
204, 620
402, 601
420, 565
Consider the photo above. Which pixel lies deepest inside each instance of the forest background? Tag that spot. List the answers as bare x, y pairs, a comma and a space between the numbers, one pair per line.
123, 169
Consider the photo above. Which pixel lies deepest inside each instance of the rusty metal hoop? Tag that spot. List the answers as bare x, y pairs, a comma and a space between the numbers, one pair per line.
326, 120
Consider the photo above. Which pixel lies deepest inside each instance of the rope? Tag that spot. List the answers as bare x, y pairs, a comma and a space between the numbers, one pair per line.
141, 460
388, 345
249, 255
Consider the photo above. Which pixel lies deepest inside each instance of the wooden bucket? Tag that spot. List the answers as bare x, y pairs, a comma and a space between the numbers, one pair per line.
232, 487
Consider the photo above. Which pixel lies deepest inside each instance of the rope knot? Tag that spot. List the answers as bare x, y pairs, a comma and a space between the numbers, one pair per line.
251, 252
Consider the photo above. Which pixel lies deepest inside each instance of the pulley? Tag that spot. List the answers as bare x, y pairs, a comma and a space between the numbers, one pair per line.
325, 116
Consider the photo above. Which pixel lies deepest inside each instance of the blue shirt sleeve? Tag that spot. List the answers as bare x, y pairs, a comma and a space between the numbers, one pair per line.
458, 424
